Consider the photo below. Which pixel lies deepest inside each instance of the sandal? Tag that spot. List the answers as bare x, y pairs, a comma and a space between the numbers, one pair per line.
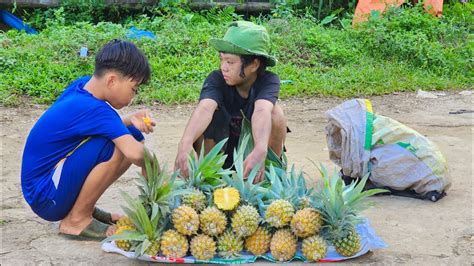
94, 231
102, 216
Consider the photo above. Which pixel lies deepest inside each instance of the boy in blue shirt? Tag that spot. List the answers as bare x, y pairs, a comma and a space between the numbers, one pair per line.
81, 145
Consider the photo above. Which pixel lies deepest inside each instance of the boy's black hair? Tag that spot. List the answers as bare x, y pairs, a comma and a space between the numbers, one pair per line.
247, 59
125, 58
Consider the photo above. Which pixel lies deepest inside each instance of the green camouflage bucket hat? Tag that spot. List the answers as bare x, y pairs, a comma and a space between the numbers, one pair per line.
245, 38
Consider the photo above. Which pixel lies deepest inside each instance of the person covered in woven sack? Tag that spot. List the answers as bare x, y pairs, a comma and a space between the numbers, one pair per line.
241, 88
81, 145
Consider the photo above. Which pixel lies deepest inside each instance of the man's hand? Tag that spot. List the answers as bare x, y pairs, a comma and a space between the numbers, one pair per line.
256, 157
142, 120
181, 161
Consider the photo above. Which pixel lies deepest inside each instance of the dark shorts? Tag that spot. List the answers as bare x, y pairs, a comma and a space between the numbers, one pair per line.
220, 128
71, 173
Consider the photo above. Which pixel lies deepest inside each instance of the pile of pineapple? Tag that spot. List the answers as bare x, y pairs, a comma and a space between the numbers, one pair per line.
216, 212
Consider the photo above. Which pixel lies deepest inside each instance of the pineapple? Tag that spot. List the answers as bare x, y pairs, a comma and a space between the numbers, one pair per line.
174, 244
229, 245
196, 200
340, 207
145, 237
203, 247
124, 221
185, 220
306, 222
314, 248
158, 187
245, 221
259, 242
124, 224
283, 245
279, 213
226, 199
204, 176
212, 221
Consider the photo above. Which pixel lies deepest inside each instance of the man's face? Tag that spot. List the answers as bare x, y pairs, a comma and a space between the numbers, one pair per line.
230, 67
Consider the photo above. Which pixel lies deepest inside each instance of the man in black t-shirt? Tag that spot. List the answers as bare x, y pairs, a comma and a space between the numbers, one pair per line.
241, 86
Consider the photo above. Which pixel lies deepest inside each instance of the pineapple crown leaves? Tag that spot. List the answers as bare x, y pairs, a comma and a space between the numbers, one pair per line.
298, 181
158, 186
281, 187
205, 172
148, 228
272, 157
341, 204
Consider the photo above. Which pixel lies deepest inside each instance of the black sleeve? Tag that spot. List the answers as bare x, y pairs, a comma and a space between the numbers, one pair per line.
269, 87
212, 88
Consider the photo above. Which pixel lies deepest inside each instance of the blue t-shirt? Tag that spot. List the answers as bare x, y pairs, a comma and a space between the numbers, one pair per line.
74, 116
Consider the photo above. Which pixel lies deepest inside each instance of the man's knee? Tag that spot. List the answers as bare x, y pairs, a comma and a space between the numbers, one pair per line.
278, 117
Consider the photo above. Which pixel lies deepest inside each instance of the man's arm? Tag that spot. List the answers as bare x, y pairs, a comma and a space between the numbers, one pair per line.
261, 129
197, 124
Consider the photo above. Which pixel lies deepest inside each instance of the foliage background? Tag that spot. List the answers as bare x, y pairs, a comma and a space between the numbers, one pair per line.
403, 50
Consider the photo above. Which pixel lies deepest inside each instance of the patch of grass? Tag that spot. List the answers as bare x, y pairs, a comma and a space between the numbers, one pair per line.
405, 50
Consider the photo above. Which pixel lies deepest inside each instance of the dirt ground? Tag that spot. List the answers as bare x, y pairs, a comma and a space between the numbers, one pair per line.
417, 232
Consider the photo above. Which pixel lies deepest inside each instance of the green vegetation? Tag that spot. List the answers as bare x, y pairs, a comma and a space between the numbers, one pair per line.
404, 50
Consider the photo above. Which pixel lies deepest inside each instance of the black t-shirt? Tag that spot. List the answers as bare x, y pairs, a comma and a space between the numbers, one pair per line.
231, 104
266, 86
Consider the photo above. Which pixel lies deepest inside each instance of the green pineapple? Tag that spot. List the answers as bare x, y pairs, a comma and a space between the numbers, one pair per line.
229, 245
341, 205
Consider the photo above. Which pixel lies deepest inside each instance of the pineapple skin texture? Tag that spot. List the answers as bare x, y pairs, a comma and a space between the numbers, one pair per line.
314, 248
196, 200
229, 245
124, 223
226, 199
245, 221
185, 220
283, 245
154, 248
306, 222
203, 247
258, 243
212, 221
173, 244
279, 213
349, 245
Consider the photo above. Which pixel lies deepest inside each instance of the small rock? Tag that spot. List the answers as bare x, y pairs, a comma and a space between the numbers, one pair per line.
426, 94
465, 93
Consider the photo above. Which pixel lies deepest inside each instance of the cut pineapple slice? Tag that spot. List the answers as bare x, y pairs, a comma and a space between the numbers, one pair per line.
226, 198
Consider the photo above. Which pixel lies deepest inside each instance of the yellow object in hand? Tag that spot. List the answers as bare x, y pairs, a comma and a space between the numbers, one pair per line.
147, 121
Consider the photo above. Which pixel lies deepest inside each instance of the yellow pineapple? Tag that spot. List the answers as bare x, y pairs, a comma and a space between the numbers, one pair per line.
259, 242
173, 244
314, 248
212, 221
245, 221
203, 247
154, 248
283, 245
195, 199
279, 213
306, 222
226, 199
340, 207
124, 224
124, 221
185, 220
229, 245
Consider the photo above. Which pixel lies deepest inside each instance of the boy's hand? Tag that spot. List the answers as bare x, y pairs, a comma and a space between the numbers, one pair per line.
143, 121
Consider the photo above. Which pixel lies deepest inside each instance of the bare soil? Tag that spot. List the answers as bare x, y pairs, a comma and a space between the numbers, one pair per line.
417, 232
